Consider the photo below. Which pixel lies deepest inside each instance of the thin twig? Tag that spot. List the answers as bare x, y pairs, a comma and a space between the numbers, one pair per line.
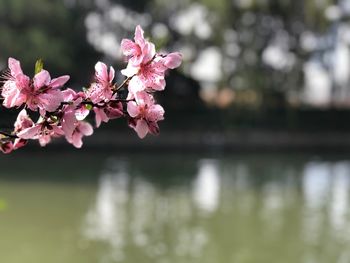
8, 135
123, 84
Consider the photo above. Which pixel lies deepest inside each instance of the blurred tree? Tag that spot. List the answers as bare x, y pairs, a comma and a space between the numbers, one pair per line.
261, 46
51, 30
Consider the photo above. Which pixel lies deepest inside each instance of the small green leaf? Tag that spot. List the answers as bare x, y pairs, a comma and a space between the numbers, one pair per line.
88, 106
54, 118
39, 65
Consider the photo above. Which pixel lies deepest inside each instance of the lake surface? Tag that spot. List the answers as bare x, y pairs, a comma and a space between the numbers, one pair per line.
87, 207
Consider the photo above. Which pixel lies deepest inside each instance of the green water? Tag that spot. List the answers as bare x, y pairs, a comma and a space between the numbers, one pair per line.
101, 208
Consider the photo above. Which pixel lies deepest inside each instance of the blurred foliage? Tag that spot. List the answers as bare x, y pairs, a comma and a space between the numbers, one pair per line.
241, 30
48, 30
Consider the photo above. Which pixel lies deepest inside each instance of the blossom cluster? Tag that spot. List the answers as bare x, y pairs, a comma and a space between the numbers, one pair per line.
62, 112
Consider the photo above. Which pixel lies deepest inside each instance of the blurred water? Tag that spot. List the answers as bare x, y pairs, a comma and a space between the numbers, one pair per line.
105, 208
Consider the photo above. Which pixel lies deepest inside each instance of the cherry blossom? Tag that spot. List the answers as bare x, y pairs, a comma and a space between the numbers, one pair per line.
102, 89
41, 92
6, 146
139, 52
63, 112
112, 110
81, 129
42, 131
145, 114
15, 82
151, 75
23, 121
44, 93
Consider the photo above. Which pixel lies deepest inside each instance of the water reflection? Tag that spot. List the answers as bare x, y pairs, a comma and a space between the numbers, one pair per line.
237, 210
106, 219
206, 188
340, 198
266, 209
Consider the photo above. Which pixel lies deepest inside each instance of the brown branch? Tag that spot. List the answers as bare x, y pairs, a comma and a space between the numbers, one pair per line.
123, 84
8, 135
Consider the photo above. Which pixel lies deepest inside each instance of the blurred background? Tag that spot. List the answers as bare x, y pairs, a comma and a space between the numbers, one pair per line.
252, 162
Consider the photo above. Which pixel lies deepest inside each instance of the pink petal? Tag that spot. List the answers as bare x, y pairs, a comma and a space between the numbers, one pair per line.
130, 70
22, 81
100, 116
50, 100
57, 131
6, 147
101, 72
12, 95
23, 121
139, 39
158, 84
42, 79
158, 66
68, 95
76, 140
21, 116
44, 140
29, 133
148, 52
143, 98
15, 67
111, 74
155, 113
136, 85
173, 60
129, 48
68, 123
133, 109
81, 113
153, 128
86, 128
59, 82
115, 110
136, 61
94, 92
19, 143
141, 128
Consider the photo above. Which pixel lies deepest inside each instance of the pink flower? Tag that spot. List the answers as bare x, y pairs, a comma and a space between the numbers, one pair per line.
102, 89
139, 52
73, 128
6, 146
172, 60
23, 121
9, 146
151, 76
15, 83
42, 92
145, 114
75, 99
146, 68
68, 121
81, 129
112, 110
42, 131
19, 143
100, 116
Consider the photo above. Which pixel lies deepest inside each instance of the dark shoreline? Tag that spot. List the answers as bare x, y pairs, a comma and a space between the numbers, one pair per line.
187, 141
